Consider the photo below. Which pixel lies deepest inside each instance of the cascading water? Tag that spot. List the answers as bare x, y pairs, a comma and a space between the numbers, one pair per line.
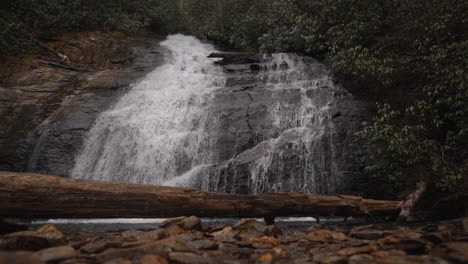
160, 128
305, 130
258, 128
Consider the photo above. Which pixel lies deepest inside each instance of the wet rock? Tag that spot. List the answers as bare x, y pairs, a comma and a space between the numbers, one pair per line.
330, 258
410, 260
267, 258
191, 258
19, 257
361, 259
162, 247
44, 237
99, 245
175, 230
438, 237
56, 254
324, 235
356, 250
367, 234
186, 223
153, 259
264, 240
151, 235
453, 251
203, 245
10, 226
119, 261
248, 228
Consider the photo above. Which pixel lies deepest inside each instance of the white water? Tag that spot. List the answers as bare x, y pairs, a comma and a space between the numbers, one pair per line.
160, 128
162, 131
306, 131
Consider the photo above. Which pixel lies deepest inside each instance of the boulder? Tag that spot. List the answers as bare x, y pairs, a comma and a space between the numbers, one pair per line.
19, 257
186, 223
45, 237
56, 254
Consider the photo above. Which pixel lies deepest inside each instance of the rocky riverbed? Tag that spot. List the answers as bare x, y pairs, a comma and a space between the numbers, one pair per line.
189, 240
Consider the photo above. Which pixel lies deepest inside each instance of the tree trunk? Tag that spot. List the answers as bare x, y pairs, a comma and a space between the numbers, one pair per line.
408, 206
43, 196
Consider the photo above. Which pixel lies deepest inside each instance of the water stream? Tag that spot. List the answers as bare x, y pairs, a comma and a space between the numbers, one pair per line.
167, 129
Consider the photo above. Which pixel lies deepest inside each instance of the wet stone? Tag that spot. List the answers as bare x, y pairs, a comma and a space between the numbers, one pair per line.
453, 251
203, 245
56, 254
19, 257
153, 259
367, 234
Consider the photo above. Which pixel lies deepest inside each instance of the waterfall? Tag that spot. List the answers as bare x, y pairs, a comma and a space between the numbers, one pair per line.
302, 157
160, 128
192, 122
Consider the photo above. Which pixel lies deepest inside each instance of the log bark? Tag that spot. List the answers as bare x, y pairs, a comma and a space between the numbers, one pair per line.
43, 196
411, 201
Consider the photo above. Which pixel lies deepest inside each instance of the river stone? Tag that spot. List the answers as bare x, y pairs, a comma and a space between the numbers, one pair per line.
368, 234
411, 260
203, 244
191, 258
330, 258
45, 237
19, 257
186, 223
156, 234
162, 247
453, 251
153, 259
99, 245
361, 259
56, 254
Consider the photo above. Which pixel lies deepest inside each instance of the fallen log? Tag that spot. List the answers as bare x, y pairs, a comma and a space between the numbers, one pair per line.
42, 196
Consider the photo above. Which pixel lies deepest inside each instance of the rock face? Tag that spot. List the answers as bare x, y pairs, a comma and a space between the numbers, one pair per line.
284, 125
279, 122
47, 104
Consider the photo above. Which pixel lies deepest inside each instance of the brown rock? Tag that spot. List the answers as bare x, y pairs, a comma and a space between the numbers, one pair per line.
330, 258
191, 258
156, 234
99, 245
367, 234
175, 230
324, 235
45, 237
186, 223
361, 259
453, 251
162, 247
438, 237
356, 250
410, 260
248, 228
267, 258
203, 244
19, 257
264, 240
384, 254
56, 254
153, 259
